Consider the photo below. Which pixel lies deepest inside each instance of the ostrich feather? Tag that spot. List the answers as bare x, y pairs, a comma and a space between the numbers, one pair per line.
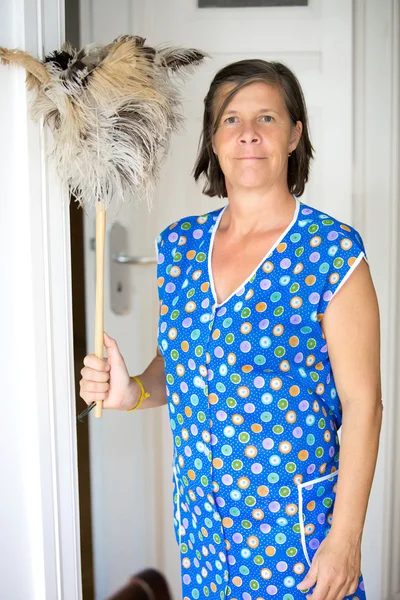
36, 72
112, 109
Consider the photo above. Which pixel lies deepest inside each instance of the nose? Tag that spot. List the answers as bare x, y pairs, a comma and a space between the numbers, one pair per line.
245, 141
248, 134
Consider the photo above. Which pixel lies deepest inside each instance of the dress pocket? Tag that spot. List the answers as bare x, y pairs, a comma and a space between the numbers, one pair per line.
316, 502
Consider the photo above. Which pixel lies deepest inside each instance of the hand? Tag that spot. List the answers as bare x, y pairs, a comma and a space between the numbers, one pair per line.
336, 568
106, 379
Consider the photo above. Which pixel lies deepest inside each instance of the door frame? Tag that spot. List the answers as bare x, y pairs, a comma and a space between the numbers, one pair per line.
376, 208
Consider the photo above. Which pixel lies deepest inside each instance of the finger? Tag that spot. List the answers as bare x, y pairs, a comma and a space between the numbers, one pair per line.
93, 386
111, 346
94, 362
321, 591
344, 591
335, 592
92, 375
309, 580
89, 397
339, 594
354, 585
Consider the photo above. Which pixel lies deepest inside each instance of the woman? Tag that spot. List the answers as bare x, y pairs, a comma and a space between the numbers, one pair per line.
252, 296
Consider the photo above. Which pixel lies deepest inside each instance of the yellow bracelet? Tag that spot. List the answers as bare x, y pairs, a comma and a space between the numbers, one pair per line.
143, 394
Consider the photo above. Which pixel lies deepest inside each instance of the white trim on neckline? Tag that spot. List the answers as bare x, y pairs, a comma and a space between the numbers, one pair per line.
211, 244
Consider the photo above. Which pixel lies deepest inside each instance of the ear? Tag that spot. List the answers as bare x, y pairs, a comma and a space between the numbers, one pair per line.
295, 136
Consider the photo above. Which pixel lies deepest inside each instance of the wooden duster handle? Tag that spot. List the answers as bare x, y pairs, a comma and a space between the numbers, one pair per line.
99, 322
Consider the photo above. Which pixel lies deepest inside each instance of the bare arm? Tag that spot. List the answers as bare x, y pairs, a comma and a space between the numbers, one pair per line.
153, 379
351, 328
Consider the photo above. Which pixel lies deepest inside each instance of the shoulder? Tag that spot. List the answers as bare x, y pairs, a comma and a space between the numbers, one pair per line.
329, 230
187, 226
332, 249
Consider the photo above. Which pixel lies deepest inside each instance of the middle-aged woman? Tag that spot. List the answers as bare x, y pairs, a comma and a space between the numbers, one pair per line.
266, 347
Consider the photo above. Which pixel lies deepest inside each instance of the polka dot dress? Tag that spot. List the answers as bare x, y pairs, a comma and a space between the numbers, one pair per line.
253, 407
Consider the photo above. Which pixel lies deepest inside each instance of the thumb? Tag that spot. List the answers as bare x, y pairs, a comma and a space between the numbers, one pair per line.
111, 347
309, 580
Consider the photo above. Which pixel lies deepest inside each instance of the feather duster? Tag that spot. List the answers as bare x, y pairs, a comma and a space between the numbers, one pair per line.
112, 109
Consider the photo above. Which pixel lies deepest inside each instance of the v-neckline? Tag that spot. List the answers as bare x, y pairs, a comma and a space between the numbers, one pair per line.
266, 255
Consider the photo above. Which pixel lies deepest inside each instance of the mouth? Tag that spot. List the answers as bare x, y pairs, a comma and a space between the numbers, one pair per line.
251, 158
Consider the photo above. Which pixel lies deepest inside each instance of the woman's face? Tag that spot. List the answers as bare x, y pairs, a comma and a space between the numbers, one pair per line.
254, 137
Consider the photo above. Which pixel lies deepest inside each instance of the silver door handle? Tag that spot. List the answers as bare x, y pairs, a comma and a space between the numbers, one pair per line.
133, 260
123, 281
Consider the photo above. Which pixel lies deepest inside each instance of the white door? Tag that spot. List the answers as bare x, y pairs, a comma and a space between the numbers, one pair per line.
131, 453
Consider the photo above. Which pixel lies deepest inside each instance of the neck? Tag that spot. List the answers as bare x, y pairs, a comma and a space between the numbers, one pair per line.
250, 212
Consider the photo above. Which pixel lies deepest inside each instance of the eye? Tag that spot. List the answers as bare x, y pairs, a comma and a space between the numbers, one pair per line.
267, 117
227, 120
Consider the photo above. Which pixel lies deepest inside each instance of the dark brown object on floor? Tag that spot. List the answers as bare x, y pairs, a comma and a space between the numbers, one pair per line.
148, 584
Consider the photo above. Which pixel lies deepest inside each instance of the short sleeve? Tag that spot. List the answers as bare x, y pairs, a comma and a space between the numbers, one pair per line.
159, 263
159, 282
344, 250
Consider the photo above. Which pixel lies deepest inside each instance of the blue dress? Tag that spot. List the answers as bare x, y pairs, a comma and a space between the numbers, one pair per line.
253, 407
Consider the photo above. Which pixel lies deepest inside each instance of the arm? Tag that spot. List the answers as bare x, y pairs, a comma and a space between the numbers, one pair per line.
153, 379
351, 327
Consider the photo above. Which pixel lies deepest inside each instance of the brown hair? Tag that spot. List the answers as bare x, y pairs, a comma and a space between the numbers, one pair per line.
242, 73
